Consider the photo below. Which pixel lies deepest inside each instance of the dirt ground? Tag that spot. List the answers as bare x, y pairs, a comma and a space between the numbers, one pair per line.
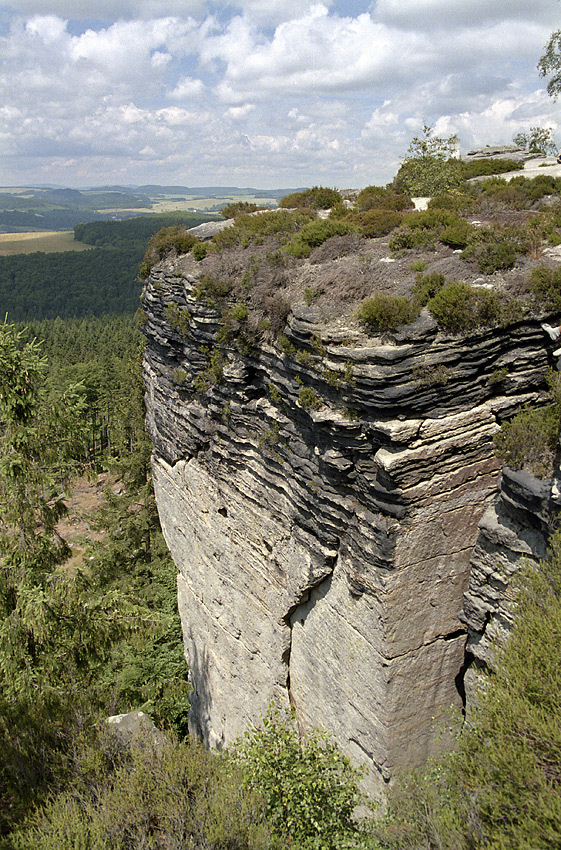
85, 497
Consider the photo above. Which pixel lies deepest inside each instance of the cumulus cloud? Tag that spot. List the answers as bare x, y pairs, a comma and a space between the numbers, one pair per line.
326, 91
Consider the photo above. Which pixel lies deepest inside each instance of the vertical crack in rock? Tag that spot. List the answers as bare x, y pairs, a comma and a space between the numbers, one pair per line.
321, 498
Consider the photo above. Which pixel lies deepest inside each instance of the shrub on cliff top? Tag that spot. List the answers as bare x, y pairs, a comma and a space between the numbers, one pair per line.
167, 239
545, 283
314, 234
458, 307
316, 198
387, 312
378, 197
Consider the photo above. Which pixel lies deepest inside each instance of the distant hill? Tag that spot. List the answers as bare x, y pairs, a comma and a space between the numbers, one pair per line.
57, 208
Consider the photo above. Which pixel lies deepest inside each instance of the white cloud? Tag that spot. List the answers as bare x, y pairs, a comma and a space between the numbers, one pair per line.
324, 91
239, 112
187, 88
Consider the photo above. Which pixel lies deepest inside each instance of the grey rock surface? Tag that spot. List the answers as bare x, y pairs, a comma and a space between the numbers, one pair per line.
323, 555
513, 533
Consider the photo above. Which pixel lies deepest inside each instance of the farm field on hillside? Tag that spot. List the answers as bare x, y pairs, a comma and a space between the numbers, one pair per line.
48, 241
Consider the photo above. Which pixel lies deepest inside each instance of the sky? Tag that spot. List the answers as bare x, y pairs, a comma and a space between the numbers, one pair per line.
262, 93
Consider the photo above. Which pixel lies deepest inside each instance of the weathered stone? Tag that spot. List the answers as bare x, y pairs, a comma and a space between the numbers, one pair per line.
513, 532
323, 555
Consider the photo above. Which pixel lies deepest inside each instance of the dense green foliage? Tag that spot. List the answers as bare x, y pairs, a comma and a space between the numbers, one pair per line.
430, 166
310, 789
529, 439
93, 282
133, 232
104, 635
316, 198
88, 283
459, 307
387, 312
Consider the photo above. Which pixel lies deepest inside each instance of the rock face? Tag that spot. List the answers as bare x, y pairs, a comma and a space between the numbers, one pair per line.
502, 152
514, 530
321, 503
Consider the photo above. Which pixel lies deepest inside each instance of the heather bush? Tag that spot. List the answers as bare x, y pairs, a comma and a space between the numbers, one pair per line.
378, 197
458, 307
456, 235
316, 198
378, 222
545, 283
387, 312
460, 201
426, 287
314, 234
484, 167
529, 439
167, 239
239, 208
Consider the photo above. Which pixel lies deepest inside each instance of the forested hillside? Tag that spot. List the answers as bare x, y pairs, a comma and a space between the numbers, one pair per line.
97, 282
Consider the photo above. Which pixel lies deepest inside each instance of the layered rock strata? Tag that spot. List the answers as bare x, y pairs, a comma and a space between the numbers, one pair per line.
321, 503
514, 532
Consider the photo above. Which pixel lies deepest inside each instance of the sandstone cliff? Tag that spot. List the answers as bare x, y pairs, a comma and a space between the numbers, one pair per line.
321, 500
514, 532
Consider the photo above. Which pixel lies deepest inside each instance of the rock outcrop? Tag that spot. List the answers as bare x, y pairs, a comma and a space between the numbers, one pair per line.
321, 503
514, 532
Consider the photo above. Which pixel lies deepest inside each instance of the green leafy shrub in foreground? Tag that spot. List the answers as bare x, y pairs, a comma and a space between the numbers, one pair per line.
310, 789
161, 795
387, 312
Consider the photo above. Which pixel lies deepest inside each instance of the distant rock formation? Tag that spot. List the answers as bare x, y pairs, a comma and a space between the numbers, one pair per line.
321, 503
502, 152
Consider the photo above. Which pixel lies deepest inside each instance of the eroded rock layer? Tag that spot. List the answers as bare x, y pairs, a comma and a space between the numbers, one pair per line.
321, 503
514, 532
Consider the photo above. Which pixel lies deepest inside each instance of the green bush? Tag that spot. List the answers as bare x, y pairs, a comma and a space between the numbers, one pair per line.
405, 240
309, 399
200, 250
459, 201
378, 222
378, 197
167, 239
239, 208
387, 312
458, 307
426, 287
314, 234
456, 235
317, 198
484, 167
310, 789
153, 794
545, 283
529, 439
250, 228
492, 257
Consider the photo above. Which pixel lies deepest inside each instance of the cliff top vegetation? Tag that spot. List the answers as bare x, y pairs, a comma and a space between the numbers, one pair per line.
481, 253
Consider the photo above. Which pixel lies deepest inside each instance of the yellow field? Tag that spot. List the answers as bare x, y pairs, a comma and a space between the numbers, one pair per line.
48, 241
